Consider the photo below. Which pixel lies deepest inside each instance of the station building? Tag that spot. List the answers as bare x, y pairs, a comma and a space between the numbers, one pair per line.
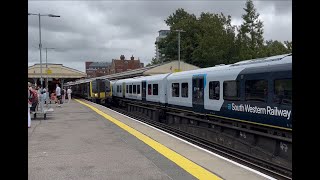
54, 74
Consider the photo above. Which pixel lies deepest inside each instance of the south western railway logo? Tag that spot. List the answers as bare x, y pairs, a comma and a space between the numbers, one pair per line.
275, 111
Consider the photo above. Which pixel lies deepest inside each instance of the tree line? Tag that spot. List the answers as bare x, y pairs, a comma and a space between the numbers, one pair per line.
210, 39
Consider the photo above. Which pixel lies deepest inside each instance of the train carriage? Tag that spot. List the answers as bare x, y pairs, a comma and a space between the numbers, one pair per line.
155, 88
241, 92
95, 90
253, 91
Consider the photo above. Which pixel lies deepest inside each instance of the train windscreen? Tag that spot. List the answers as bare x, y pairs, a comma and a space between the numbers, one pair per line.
98, 85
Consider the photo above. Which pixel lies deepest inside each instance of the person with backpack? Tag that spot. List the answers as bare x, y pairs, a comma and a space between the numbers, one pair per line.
33, 98
29, 105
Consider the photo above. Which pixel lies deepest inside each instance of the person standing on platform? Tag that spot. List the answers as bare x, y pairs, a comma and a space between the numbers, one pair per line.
44, 95
29, 106
33, 98
58, 94
63, 94
69, 94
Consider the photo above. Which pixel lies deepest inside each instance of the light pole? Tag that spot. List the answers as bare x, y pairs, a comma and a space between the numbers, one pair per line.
179, 31
47, 67
40, 46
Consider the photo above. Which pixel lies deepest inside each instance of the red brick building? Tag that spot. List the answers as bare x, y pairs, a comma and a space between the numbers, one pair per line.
96, 69
121, 65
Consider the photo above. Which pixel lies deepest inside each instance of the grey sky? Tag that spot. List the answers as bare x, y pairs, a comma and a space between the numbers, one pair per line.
103, 30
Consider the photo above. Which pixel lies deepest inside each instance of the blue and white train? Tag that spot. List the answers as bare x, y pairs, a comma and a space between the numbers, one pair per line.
257, 92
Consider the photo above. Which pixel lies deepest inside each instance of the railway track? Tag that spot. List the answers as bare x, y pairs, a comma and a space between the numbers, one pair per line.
258, 164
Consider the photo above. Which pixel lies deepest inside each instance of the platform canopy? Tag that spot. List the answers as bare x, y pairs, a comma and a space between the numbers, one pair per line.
54, 71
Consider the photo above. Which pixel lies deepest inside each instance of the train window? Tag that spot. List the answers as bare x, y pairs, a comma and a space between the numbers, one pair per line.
102, 86
127, 89
155, 89
184, 90
214, 90
138, 89
256, 90
94, 87
231, 90
175, 89
130, 89
120, 89
134, 89
283, 91
149, 89
117, 88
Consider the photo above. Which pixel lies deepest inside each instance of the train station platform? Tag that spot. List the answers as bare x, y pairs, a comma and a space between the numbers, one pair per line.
83, 140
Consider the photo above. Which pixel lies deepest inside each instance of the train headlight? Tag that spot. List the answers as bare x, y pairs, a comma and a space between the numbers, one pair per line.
95, 94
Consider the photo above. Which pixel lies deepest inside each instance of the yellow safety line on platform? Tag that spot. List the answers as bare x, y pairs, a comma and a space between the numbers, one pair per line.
191, 167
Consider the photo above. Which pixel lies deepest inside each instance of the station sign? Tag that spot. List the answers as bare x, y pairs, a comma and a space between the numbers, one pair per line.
49, 71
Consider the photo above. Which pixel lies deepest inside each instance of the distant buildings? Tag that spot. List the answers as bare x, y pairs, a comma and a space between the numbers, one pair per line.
121, 65
162, 34
96, 69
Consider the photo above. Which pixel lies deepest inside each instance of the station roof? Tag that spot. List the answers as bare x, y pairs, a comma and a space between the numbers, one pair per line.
55, 71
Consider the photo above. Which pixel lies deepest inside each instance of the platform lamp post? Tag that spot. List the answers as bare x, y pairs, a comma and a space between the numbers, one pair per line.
179, 31
40, 47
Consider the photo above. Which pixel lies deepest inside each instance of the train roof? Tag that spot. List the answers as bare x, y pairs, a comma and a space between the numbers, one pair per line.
80, 81
267, 68
259, 62
145, 78
153, 77
265, 61
279, 59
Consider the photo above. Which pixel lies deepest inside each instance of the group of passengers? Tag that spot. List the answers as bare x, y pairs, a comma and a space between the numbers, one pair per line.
60, 95
35, 95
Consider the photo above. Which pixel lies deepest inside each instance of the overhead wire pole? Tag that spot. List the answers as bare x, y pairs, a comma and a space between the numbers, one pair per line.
47, 67
40, 47
179, 31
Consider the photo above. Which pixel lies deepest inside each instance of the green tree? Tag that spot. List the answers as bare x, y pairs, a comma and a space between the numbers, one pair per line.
273, 48
215, 40
207, 41
180, 20
250, 37
153, 62
288, 45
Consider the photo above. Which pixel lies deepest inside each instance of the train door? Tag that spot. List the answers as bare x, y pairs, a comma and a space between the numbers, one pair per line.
198, 92
144, 89
98, 87
123, 90
88, 90
108, 88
